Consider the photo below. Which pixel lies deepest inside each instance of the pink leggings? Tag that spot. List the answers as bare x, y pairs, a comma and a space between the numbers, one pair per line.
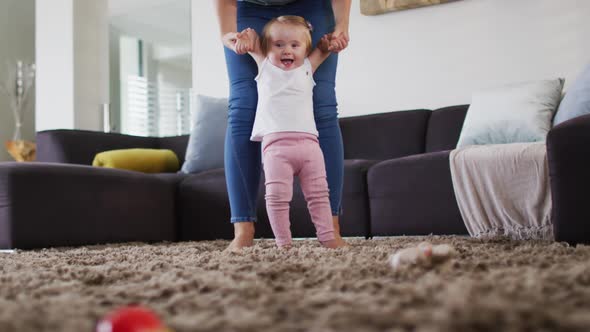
287, 154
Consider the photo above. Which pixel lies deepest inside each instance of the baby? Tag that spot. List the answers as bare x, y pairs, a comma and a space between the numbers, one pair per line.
285, 122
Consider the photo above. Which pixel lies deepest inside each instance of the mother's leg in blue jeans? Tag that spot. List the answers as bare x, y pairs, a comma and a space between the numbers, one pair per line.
242, 156
330, 136
319, 13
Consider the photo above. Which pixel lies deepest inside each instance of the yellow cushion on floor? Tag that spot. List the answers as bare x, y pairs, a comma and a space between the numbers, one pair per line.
141, 160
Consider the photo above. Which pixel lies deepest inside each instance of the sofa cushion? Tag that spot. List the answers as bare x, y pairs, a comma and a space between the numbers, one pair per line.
384, 136
203, 208
204, 212
444, 128
355, 217
576, 101
413, 196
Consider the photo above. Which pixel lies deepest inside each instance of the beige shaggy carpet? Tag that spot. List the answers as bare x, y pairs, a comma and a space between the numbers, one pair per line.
491, 286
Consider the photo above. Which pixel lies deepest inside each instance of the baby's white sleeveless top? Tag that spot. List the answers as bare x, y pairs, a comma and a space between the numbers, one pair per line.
285, 100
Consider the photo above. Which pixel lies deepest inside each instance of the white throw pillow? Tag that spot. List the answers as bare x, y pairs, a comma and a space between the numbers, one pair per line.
520, 112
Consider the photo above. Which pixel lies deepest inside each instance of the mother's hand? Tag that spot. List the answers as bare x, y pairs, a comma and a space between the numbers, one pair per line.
339, 40
240, 42
229, 40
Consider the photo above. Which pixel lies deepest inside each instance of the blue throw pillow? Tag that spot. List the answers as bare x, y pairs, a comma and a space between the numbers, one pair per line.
576, 101
205, 145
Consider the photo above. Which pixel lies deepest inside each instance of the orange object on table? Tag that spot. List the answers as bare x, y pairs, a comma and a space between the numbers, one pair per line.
21, 150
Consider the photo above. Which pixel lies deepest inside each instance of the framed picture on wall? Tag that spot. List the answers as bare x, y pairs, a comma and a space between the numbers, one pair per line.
376, 7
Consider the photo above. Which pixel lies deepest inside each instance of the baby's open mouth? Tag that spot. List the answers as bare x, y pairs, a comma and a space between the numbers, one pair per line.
287, 62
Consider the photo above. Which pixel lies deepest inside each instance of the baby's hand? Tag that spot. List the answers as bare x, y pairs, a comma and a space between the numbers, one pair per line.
250, 33
246, 41
324, 44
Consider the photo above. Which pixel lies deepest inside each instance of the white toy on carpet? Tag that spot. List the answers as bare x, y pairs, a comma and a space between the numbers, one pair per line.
424, 254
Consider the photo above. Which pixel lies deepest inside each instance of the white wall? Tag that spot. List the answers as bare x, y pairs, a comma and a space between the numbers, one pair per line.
91, 62
174, 75
55, 70
114, 78
128, 65
17, 41
433, 56
72, 48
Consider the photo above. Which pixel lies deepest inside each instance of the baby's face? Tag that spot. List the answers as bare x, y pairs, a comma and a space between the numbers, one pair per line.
287, 46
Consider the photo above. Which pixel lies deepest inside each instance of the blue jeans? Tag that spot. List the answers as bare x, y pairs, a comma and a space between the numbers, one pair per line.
242, 156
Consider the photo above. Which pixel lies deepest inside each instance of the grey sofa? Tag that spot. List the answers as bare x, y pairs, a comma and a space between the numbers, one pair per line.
397, 181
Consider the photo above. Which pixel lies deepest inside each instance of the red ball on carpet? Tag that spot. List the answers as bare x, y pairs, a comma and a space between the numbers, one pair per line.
131, 319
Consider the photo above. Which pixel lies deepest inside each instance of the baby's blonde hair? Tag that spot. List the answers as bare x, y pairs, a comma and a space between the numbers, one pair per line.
292, 20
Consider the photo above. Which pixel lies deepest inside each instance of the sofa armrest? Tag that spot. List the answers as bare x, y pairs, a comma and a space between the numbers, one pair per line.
80, 146
568, 155
414, 196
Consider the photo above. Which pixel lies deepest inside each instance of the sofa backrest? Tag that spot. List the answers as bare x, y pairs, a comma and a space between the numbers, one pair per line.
382, 136
444, 128
385, 135
374, 137
80, 146
178, 144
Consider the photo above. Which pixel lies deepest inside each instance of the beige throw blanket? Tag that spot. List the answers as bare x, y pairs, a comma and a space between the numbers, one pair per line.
503, 190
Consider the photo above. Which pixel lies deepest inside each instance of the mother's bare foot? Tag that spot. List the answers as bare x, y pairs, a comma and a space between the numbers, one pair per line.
338, 242
239, 243
285, 247
243, 236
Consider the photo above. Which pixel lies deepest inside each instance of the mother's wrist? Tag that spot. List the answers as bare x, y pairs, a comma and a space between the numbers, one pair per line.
341, 26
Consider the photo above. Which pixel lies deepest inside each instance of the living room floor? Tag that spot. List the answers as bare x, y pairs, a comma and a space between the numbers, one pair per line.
491, 285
